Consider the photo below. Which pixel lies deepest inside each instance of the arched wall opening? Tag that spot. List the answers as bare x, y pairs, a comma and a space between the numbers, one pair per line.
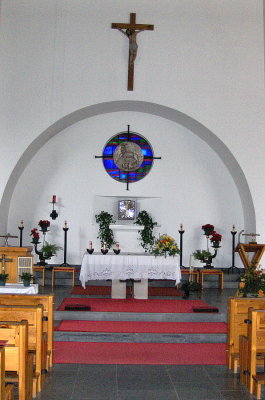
170, 114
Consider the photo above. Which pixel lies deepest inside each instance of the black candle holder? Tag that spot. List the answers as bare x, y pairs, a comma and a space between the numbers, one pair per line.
116, 251
20, 235
233, 267
64, 264
181, 232
104, 251
90, 251
54, 213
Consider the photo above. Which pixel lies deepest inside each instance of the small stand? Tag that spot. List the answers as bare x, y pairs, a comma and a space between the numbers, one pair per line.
64, 264
233, 267
181, 232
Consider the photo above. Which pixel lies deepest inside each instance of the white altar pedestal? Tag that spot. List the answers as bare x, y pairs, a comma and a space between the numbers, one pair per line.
140, 289
118, 289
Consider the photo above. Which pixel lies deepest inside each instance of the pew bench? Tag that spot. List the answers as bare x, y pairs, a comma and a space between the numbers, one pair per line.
37, 339
251, 346
18, 360
237, 312
6, 391
47, 301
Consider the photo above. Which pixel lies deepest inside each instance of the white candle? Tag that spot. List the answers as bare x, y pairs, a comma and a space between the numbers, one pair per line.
90, 244
65, 224
181, 227
117, 245
191, 261
233, 228
21, 224
104, 245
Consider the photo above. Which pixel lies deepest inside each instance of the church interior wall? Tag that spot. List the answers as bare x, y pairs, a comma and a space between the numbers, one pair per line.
204, 59
171, 192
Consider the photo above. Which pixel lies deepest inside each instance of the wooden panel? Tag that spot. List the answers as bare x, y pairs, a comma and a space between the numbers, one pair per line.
13, 253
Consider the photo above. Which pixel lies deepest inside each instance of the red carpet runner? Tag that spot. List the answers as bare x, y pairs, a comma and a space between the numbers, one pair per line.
140, 353
133, 305
142, 327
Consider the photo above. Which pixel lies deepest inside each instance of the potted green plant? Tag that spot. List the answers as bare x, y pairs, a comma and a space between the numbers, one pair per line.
3, 279
188, 287
105, 234
146, 234
202, 255
26, 278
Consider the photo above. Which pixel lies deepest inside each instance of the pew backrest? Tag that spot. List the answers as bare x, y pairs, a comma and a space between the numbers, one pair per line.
237, 313
47, 301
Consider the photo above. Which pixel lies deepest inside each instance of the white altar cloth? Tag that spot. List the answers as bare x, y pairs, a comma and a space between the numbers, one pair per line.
128, 266
19, 288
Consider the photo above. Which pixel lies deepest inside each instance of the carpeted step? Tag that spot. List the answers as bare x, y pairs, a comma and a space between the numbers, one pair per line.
141, 332
132, 305
142, 327
140, 353
106, 291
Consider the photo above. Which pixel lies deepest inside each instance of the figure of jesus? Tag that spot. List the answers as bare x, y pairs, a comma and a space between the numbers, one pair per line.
133, 46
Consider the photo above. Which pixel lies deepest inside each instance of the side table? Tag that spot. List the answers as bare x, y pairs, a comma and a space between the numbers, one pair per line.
213, 271
194, 274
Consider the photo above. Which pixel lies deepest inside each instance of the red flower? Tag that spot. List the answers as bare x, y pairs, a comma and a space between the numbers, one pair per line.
43, 222
208, 227
35, 233
216, 237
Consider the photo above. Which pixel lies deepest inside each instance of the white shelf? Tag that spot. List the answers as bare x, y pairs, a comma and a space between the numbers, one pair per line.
126, 227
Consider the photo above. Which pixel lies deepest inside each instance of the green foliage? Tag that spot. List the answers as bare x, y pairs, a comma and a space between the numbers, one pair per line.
105, 234
26, 276
50, 250
202, 255
146, 235
4, 277
191, 286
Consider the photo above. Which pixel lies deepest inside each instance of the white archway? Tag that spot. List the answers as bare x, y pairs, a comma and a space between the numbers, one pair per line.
145, 107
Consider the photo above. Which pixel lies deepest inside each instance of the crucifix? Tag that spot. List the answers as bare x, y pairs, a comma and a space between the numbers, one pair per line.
3, 260
131, 30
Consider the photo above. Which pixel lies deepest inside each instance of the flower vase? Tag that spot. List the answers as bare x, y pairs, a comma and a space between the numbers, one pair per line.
26, 283
2, 283
215, 245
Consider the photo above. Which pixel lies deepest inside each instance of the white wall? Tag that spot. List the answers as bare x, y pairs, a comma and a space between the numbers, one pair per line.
66, 167
204, 58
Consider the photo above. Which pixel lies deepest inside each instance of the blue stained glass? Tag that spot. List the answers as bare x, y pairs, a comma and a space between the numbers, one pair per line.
112, 169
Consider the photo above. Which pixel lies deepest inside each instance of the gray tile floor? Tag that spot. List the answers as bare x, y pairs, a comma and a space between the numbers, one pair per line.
145, 382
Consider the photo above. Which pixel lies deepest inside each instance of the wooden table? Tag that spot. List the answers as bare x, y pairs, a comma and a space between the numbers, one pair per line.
213, 271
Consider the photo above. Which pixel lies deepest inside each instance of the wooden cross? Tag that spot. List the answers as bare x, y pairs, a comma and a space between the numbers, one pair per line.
3, 260
131, 30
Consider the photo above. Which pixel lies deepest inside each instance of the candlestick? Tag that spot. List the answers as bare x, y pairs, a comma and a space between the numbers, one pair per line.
65, 229
54, 198
233, 267
181, 232
21, 227
54, 213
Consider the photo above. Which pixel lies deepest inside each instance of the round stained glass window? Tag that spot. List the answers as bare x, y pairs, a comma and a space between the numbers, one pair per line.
127, 157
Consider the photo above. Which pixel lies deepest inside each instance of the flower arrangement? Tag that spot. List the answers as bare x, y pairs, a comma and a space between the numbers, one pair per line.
252, 283
165, 245
35, 235
208, 229
44, 223
215, 239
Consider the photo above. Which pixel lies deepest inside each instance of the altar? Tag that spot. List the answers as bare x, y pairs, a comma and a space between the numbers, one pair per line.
119, 268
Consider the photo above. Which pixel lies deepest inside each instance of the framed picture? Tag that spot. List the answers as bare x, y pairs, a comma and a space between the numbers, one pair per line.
126, 210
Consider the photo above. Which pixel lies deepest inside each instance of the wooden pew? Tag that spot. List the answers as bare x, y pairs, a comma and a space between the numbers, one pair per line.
47, 300
37, 339
18, 361
251, 346
237, 312
6, 391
